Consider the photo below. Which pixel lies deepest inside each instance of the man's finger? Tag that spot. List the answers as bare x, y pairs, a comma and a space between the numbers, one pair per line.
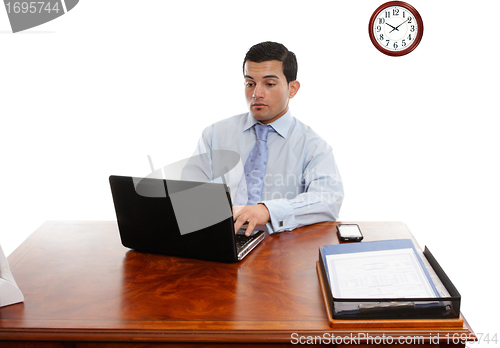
250, 228
238, 222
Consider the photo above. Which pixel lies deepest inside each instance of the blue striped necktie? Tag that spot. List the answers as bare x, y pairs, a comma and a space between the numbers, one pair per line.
255, 168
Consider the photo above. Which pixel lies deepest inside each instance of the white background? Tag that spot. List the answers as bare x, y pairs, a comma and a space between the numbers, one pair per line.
416, 137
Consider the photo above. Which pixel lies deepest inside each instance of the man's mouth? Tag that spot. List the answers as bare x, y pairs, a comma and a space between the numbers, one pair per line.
258, 105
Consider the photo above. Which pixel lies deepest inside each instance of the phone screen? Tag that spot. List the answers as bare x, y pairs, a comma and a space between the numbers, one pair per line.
349, 230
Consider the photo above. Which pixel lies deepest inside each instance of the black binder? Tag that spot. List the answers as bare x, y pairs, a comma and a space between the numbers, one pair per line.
393, 308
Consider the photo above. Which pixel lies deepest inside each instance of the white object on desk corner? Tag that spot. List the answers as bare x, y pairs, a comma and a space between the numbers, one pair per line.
9, 291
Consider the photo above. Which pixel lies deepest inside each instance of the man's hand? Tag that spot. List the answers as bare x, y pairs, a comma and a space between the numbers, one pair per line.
253, 214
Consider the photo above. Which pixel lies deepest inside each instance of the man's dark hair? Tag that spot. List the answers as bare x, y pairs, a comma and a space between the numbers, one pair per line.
266, 51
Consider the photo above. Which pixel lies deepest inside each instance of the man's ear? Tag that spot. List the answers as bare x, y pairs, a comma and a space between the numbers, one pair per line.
293, 88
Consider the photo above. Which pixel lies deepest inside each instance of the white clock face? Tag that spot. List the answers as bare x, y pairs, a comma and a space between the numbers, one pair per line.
395, 28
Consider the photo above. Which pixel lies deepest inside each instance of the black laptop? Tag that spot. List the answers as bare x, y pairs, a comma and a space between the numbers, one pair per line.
180, 218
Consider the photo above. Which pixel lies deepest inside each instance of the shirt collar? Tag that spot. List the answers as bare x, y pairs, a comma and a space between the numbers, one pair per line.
281, 125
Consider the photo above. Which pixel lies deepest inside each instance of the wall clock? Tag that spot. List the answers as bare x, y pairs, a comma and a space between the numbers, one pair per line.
396, 28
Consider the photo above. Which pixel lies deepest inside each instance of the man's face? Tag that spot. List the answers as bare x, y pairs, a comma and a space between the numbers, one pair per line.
267, 91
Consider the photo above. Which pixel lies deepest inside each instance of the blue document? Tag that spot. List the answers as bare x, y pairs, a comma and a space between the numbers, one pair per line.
380, 269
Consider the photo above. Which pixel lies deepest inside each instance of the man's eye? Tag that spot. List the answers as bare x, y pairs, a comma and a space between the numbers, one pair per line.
249, 84
271, 84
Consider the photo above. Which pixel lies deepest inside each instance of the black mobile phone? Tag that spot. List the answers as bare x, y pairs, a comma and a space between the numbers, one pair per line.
349, 233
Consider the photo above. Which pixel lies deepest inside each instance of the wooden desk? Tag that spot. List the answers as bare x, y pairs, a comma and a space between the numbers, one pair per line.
83, 288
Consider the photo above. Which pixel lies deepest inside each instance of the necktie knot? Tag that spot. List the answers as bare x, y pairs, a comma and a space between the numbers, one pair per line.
262, 131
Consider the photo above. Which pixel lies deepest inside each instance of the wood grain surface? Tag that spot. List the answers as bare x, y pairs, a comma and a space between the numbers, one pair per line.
81, 285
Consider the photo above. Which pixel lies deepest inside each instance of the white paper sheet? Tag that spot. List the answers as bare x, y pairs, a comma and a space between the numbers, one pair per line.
378, 274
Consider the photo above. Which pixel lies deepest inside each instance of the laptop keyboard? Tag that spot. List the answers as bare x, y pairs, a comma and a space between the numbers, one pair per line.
241, 239
246, 244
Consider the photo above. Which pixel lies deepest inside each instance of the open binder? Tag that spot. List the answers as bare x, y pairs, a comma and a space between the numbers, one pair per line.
9, 291
339, 307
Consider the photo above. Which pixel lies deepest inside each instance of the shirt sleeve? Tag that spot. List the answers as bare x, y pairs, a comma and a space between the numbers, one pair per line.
320, 201
199, 166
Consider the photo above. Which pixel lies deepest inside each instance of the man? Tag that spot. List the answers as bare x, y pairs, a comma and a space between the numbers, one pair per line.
294, 180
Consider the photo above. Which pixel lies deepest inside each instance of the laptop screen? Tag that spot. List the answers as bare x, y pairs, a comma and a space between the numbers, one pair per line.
182, 218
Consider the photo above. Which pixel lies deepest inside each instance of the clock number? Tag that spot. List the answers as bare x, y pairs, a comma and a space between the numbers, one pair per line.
409, 20
412, 28
404, 14
387, 14
387, 43
395, 45
381, 37
381, 21
395, 12
403, 43
409, 37
379, 28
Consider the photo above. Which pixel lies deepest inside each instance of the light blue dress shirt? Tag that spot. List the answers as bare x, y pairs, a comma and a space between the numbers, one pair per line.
302, 184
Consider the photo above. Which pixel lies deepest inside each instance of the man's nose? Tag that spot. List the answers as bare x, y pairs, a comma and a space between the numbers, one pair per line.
258, 92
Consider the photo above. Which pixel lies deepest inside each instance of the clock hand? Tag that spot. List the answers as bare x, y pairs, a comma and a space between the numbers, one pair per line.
399, 26
393, 28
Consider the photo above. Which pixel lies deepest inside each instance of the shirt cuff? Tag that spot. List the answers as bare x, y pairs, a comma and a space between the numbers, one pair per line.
281, 215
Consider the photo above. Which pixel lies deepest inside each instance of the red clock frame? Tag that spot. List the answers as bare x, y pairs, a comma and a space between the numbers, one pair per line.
417, 40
